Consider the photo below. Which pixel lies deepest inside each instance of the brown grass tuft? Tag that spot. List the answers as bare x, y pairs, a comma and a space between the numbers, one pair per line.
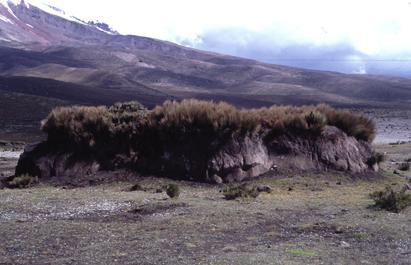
196, 120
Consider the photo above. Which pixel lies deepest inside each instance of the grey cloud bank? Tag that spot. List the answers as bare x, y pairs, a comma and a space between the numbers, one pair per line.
271, 48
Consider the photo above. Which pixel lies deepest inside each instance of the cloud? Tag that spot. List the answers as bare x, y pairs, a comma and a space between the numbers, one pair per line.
270, 47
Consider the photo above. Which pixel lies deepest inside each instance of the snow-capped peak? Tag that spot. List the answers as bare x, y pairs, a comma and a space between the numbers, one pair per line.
6, 3
46, 7
41, 5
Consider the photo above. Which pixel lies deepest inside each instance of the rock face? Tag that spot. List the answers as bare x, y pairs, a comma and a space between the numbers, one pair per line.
240, 158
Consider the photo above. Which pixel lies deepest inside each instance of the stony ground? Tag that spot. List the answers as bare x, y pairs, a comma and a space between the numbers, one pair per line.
393, 125
307, 219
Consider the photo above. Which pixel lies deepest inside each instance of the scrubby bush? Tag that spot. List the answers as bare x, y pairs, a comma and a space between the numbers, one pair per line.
391, 200
90, 126
316, 120
191, 116
21, 182
173, 191
404, 166
127, 113
242, 191
206, 124
376, 158
358, 126
83, 126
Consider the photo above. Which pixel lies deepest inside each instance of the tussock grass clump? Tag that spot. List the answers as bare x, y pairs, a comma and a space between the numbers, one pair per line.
89, 126
193, 120
190, 116
391, 200
242, 191
173, 191
376, 158
21, 182
127, 113
78, 125
358, 126
405, 166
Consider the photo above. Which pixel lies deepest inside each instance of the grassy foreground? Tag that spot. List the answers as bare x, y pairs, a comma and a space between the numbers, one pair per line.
316, 219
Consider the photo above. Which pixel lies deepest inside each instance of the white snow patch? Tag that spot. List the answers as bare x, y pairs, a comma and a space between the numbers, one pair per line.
6, 3
41, 5
105, 31
30, 26
3, 18
54, 11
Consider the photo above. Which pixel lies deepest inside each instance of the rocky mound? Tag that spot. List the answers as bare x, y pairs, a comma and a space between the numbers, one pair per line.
198, 140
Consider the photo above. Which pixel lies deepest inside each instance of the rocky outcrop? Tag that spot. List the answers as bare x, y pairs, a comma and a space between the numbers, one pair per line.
239, 158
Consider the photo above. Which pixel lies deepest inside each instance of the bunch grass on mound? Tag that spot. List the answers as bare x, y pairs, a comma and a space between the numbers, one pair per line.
88, 126
131, 122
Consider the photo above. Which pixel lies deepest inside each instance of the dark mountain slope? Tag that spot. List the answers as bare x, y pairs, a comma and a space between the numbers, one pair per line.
49, 54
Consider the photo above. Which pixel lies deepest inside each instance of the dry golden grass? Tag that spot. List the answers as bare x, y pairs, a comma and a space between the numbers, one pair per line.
195, 114
194, 118
77, 124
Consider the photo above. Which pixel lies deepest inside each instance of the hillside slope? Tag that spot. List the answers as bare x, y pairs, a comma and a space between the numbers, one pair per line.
45, 52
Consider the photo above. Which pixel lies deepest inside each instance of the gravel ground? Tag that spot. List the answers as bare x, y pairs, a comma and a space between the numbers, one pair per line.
392, 125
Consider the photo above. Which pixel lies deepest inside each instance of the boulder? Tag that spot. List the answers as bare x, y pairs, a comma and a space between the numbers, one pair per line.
44, 161
237, 158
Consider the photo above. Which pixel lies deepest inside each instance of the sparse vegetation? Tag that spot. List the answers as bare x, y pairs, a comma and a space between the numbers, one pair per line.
376, 158
21, 182
405, 166
173, 191
316, 120
241, 191
302, 252
391, 200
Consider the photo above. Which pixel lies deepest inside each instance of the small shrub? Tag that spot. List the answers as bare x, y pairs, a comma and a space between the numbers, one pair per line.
376, 158
242, 191
404, 166
173, 191
127, 113
391, 200
303, 253
358, 126
82, 126
316, 121
137, 187
21, 182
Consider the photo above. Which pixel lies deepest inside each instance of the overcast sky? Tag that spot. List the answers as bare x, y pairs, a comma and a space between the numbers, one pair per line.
353, 36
